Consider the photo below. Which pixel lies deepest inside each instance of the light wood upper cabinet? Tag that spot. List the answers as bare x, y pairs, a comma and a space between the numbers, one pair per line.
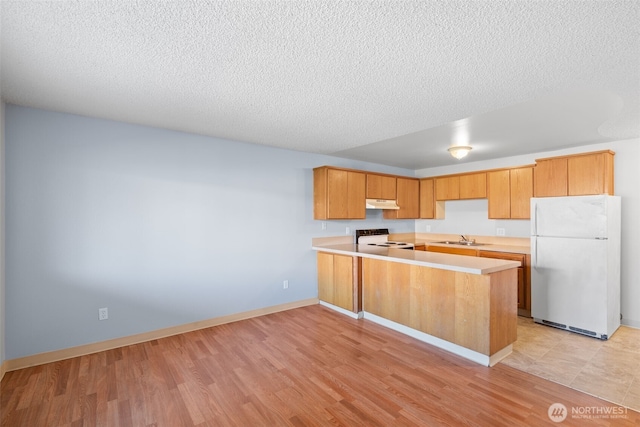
338, 194
381, 187
575, 175
521, 192
429, 208
408, 197
473, 186
509, 192
464, 186
590, 174
499, 194
448, 188
550, 177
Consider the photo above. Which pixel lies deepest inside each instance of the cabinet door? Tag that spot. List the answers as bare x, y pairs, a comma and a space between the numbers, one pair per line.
522, 279
427, 199
448, 188
473, 186
408, 197
590, 174
550, 177
345, 194
325, 277
408, 193
381, 187
336, 280
499, 194
356, 204
521, 192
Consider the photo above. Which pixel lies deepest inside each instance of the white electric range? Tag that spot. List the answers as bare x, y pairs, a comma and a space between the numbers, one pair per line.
380, 237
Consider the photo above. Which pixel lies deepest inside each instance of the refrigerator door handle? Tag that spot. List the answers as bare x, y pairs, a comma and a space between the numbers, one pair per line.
534, 252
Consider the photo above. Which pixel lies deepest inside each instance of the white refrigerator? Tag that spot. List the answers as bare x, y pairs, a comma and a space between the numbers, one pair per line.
575, 263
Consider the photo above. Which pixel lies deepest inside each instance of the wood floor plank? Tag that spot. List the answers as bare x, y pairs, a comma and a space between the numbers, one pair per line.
303, 367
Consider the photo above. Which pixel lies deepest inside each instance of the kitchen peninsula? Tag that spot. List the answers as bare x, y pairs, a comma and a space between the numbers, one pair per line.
462, 304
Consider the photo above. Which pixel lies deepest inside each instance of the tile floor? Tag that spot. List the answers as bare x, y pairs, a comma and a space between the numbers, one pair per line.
607, 369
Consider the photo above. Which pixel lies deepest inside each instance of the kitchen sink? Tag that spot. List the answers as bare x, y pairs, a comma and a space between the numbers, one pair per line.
461, 242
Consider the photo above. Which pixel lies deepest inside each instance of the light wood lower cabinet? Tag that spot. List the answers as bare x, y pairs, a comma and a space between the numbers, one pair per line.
471, 310
523, 273
524, 277
339, 278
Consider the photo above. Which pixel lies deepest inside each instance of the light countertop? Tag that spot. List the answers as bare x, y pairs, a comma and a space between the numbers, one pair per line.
461, 263
489, 243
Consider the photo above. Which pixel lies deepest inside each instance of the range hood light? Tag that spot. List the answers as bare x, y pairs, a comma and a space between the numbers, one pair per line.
459, 151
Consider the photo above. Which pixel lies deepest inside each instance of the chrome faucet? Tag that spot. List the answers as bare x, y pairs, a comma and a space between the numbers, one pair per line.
466, 241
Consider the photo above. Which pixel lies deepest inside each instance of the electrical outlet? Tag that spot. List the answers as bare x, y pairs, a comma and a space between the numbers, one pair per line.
103, 313
427, 229
324, 225
285, 284
348, 231
500, 231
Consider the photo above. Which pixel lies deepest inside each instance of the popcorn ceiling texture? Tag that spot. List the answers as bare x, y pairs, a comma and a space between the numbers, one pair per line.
315, 76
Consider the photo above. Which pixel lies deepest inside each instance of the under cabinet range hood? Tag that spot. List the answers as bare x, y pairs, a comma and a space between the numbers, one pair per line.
381, 204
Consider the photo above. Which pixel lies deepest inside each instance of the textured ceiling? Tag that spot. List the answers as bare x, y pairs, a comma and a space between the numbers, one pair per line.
388, 82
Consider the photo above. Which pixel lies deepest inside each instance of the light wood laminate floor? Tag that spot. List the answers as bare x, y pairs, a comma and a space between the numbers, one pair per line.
304, 367
607, 369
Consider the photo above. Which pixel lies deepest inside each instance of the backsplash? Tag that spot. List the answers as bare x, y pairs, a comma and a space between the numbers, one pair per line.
471, 217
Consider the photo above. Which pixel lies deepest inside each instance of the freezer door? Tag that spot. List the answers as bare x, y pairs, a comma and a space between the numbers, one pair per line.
577, 216
569, 282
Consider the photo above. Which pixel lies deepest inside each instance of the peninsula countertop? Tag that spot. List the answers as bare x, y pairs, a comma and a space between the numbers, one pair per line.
487, 243
460, 263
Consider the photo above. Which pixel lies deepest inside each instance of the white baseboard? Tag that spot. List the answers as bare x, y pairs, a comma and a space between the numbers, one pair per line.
631, 323
342, 310
456, 349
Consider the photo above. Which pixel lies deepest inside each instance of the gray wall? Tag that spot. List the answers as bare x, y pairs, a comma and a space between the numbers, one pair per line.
470, 217
162, 227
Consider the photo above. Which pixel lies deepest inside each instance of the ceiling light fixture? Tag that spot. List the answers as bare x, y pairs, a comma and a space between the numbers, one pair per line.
459, 151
